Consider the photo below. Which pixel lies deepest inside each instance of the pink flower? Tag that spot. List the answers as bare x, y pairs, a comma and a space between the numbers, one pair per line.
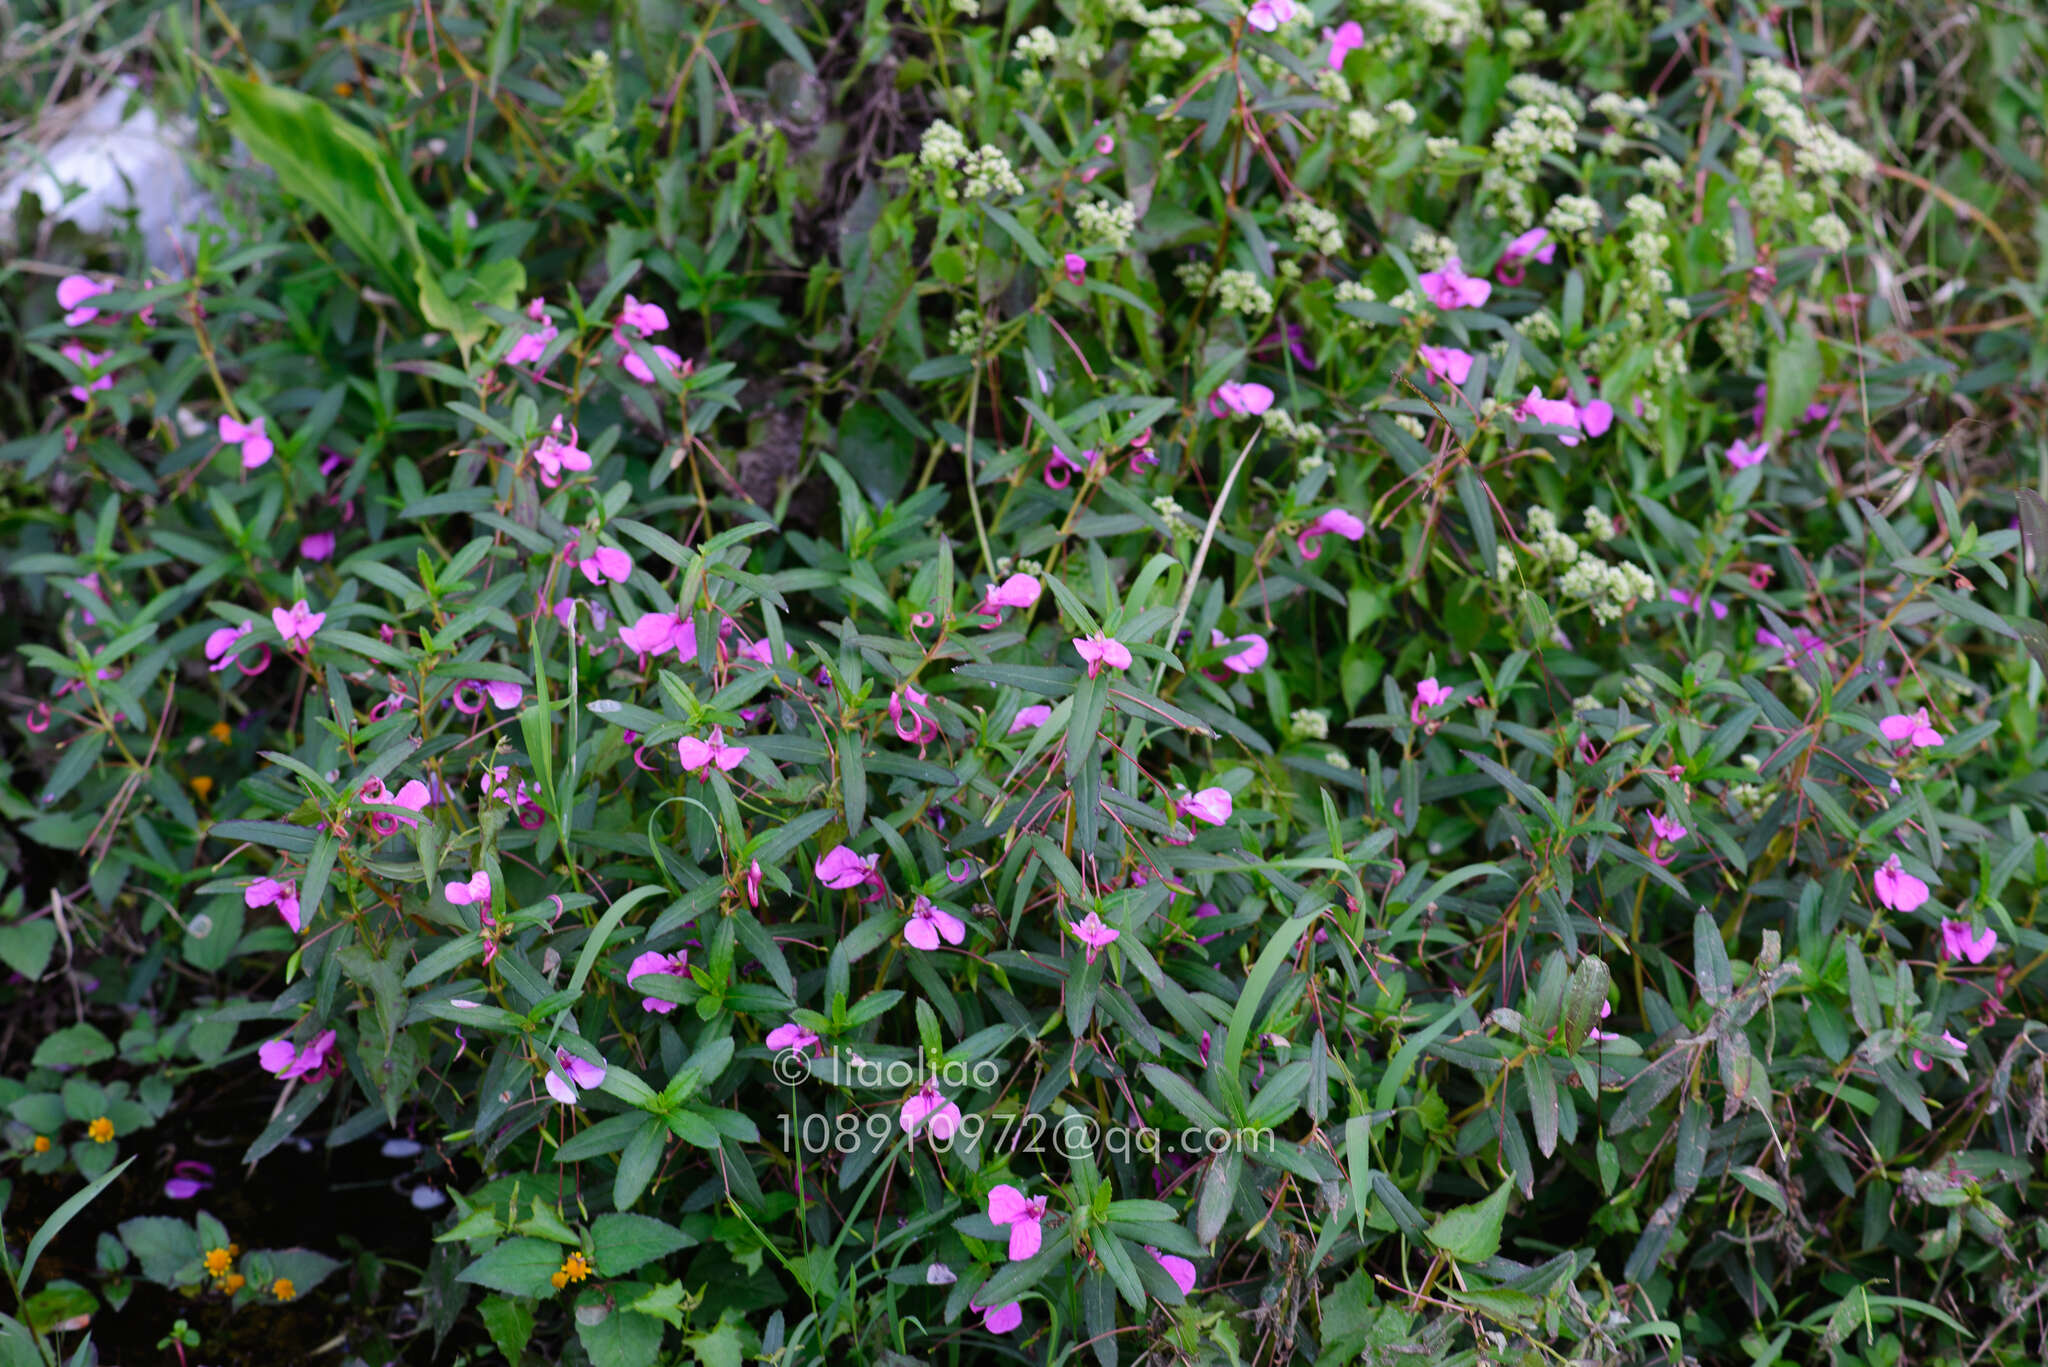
476, 892
1001, 1319
1958, 941
1450, 288
657, 633
1244, 399
531, 346
645, 319
1428, 693
557, 453
840, 868
1211, 805
1268, 15
503, 695
282, 1060
1030, 718
754, 883
1091, 932
1741, 455
1099, 650
72, 293
1025, 1217
644, 372
794, 1039
1664, 828
1060, 468
224, 644
582, 1073
269, 892
606, 562
1334, 522
1596, 1034
698, 756
1077, 267
89, 363
1018, 591
654, 964
1445, 364
928, 1108
929, 924
1552, 413
1912, 728
414, 797
1180, 1269
1345, 39
1594, 418
1243, 661
1105, 144
1534, 245
192, 1176
907, 713
257, 447
1900, 890
1685, 598
297, 624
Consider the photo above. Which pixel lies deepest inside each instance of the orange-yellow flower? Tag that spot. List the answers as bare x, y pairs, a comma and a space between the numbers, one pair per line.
233, 1282
101, 1130
42, 1144
218, 1261
203, 786
574, 1269
220, 731
283, 1289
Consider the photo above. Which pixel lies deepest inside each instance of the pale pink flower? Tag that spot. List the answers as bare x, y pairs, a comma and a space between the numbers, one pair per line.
1445, 364
1913, 729
1180, 1269
531, 346
1450, 288
1077, 267
284, 1061
938, 1274
1099, 650
1105, 144
1001, 1319
792, 1038
698, 756
1030, 718
89, 363
1025, 1217
272, 892
606, 562
475, 892
929, 924
1534, 245
257, 447
1742, 455
1428, 693
1246, 660
1244, 399
581, 1073
1211, 805
1897, 889
840, 868
1344, 39
72, 293
298, 624
657, 633
1092, 933
1268, 15
1958, 941
655, 964
928, 1108
1335, 522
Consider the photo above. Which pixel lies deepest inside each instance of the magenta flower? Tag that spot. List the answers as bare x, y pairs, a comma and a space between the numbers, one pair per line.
257, 447
1428, 693
1688, 599
1334, 522
269, 892
1808, 644
699, 756
1913, 729
1596, 1033
653, 964
503, 695
285, 1061
1060, 468
1001, 1319
1077, 267
1899, 890
89, 363
1594, 418
928, 1108
645, 319
1180, 1269
754, 883
1018, 591
192, 1177
1958, 941
1211, 805
1091, 932
531, 346
1099, 650
72, 293
1246, 660
1025, 1217
1030, 718
1742, 455
1344, 39
606, 562
475, 892
557, 453
1553, 413
929, 924
794, 1039
297, 624
909, 715
224, 647
840, 868
317, 546
1268, 15
581, 1073
1450, 288
1665, 828
644, 372
414, 797
1445, 364
657, 633
1534, 245
1244, 399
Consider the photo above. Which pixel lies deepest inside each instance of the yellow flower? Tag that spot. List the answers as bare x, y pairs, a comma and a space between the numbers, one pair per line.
574, 1269
233, 1282
101, 1130
560, 1280
203, 786
283, 1289
42, 1144
218, 1261
220, 731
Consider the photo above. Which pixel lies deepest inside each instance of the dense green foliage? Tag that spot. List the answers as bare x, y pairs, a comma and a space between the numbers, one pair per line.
1199, 683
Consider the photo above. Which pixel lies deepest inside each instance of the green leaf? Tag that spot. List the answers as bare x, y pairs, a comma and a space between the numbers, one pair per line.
62, 1216
74, 1046
1471, 1234
517, 1267
621, 1243
1795, 379
510, 1324
616, 1337
26, 947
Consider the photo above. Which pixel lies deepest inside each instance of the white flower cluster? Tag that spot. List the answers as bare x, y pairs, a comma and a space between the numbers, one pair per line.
1429, 249
1436, 149
1529, 88
1610, 588
942, 147
1170, 511
1599, 525
1161, 46
1283, 425
1331, 85
1316, 226
1240, 292
1830, 232
987, 172
1412, 425
1519, 149
1110, 225
1818, 149
1361, 125
1310, 723
1400, 111
1540, 326
1574, 216
1624, 112
1407, 301
966, 334
1446, 23
1554, 546
1664, 169
1503, 564
1355, 292
1194, 276
1139, 13
1039, 45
